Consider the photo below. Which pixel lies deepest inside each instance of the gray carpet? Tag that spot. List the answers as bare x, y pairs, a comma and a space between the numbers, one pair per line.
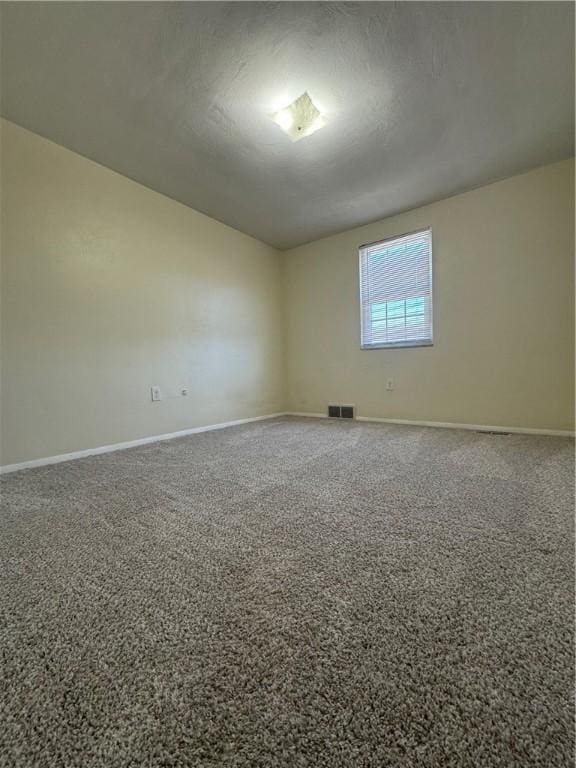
292, 593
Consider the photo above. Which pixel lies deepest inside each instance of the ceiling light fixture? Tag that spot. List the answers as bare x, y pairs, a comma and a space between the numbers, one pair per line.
299, 119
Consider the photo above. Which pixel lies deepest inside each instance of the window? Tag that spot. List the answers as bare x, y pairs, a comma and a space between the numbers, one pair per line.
396, 291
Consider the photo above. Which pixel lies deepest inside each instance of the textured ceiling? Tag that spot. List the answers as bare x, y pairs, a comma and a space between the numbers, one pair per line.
423, 100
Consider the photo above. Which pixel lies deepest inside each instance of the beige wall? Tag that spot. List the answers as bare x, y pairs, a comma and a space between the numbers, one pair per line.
503, 351
109, 288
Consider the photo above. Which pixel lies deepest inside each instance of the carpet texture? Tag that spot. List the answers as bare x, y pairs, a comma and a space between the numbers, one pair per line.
290, 593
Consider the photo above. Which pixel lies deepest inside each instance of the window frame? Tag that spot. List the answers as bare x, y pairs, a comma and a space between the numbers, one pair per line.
398, 344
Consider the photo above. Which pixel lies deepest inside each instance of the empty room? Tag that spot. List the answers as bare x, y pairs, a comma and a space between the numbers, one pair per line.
287, 384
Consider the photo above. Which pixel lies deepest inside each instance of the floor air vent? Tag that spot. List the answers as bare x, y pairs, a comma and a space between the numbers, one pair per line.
492, 432
341, 411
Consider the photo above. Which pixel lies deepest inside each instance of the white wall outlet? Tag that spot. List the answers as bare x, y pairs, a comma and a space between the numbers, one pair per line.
184, 392
155, 393
389, 385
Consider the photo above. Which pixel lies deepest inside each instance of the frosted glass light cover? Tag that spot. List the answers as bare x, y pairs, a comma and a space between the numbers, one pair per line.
299, 119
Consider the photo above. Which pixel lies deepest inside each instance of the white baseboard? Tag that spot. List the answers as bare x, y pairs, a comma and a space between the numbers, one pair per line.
448, 425
130, 444
196, 430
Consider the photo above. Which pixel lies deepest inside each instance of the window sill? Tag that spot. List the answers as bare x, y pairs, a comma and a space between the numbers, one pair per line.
398, 345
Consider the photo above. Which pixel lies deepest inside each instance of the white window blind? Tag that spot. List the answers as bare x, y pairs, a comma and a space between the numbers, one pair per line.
396, 291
